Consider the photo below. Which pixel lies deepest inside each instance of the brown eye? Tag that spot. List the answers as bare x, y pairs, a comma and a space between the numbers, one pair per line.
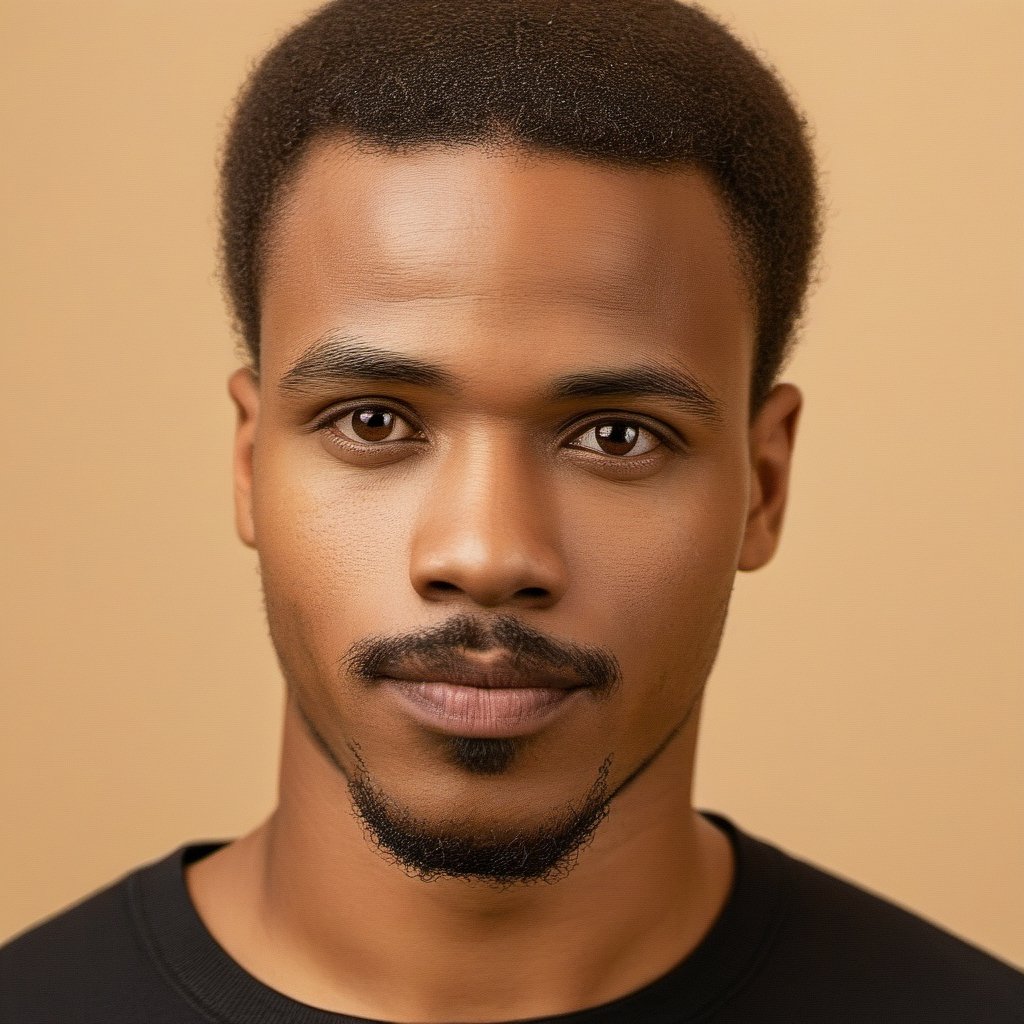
370, 424
619, 438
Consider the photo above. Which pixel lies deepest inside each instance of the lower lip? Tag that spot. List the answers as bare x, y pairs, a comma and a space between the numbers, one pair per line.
478, 711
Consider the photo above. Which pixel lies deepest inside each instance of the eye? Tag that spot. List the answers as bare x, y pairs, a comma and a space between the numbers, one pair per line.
369, 425
619, 438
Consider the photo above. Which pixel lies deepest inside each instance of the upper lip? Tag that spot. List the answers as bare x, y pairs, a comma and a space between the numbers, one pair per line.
492, 674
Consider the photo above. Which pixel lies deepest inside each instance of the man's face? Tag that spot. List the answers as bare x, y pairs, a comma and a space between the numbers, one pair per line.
511, 514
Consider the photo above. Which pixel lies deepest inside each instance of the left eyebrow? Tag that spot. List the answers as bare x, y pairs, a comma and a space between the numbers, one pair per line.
673, 386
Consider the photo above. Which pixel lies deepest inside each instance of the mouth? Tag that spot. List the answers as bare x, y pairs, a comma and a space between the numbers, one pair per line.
483, 700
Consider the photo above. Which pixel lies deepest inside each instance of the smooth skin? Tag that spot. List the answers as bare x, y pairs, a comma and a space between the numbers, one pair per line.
506, 269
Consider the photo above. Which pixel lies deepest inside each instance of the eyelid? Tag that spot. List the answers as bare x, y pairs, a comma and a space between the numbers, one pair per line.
337, 412
666, 435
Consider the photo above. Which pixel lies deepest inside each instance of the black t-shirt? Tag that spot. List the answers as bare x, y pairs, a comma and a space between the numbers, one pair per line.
792, 944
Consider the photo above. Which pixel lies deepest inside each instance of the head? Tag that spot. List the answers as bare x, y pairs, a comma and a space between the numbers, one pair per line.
515, 282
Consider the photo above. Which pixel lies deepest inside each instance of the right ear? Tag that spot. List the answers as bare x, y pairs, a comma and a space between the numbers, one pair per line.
244, 388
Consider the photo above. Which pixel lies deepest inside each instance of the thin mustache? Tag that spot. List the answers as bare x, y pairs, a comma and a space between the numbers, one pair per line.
524, 653
492, 674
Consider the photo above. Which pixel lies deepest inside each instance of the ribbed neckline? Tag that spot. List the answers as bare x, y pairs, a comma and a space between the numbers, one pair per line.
211, 981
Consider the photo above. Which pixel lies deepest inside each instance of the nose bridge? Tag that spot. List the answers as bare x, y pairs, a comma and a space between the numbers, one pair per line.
487, 527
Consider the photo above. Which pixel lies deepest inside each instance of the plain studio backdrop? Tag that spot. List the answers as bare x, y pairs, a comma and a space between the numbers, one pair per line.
866, 710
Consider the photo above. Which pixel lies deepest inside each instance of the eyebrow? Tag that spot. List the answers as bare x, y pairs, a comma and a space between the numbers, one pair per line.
340, 358
674, 386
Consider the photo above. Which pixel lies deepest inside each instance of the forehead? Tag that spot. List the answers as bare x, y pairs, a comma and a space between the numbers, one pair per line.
503, 242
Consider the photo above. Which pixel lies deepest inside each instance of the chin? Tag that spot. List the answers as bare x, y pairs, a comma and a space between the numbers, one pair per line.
476, 845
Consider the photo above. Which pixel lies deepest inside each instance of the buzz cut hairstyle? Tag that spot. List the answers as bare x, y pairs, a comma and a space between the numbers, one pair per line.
630, 83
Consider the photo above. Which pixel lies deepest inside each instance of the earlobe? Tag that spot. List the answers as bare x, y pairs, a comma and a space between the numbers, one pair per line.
243, 386
772, 436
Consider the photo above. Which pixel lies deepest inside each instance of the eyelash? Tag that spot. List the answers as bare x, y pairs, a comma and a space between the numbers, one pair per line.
333, 416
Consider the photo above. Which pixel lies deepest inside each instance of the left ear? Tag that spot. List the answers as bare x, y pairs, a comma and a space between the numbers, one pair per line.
772, 436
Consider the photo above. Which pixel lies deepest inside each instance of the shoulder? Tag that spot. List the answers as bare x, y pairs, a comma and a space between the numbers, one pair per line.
87, 963
853, 955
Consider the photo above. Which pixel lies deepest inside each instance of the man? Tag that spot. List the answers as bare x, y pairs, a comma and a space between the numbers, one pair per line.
516, 281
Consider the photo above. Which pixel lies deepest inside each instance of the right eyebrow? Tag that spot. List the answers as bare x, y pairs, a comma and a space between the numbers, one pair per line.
340, 358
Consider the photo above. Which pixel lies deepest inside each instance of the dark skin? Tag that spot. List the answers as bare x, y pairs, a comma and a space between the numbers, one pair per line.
508, 270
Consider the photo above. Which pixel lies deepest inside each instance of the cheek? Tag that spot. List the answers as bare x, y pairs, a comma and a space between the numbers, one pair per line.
329, 547
664, 572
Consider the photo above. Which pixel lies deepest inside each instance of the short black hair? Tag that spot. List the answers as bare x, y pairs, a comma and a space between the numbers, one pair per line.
630, 82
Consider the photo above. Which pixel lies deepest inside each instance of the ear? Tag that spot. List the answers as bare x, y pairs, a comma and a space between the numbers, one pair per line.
772, 435
244, 389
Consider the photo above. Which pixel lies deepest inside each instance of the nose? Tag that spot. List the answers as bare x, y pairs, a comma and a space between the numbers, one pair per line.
487, 532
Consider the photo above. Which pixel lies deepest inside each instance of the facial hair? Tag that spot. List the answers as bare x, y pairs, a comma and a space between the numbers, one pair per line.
480, 755
500, 856
531, 651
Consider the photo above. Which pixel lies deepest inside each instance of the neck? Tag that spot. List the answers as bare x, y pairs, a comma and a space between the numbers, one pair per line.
309, 906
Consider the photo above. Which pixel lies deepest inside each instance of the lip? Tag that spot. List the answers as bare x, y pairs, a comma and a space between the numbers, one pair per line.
481, 696
493, 673
481, 711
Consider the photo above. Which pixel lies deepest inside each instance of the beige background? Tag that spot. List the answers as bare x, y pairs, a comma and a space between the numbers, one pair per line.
867, 709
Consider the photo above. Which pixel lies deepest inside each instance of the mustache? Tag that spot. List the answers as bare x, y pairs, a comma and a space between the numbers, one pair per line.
529, 651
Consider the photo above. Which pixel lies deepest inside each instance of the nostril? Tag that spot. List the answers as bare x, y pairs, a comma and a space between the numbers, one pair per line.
442, 585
